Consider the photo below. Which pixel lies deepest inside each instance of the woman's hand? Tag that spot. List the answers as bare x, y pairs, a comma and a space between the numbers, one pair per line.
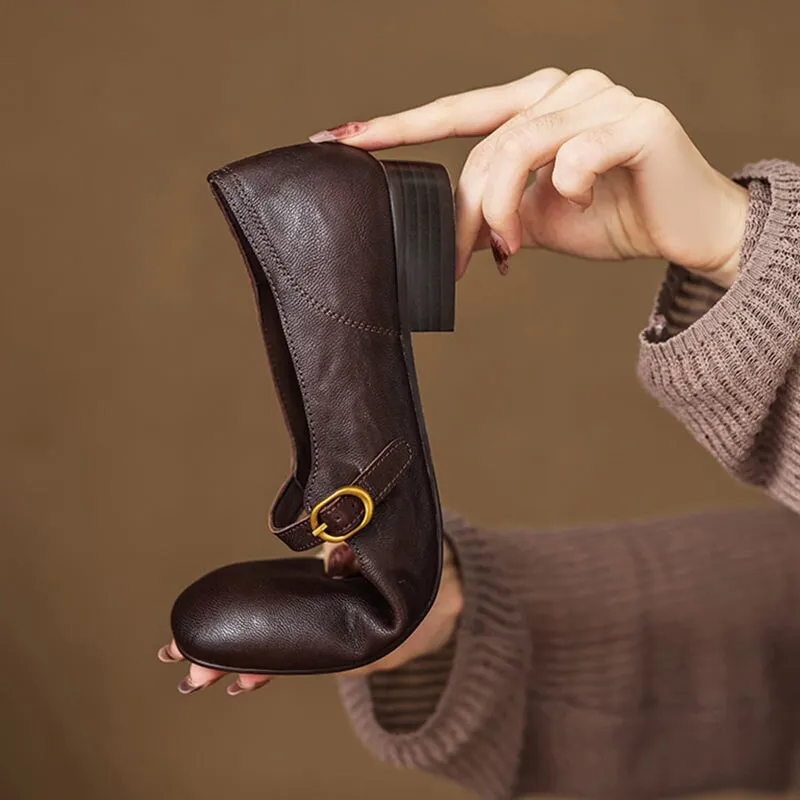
433, 633
616, 176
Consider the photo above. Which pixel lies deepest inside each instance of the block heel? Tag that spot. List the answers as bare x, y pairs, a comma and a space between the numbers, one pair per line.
424, 236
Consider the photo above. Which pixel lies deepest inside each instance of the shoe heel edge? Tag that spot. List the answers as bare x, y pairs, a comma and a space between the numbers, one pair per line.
424, 233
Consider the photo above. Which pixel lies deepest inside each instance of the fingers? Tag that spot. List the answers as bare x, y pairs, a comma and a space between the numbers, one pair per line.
533, 143
246, 684
199, 678
202, 677
339, 559
470, 218
517, 118
593, 152
468, 215
473, 113
169, 654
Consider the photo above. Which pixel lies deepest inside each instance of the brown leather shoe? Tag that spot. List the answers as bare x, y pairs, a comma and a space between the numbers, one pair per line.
347, 254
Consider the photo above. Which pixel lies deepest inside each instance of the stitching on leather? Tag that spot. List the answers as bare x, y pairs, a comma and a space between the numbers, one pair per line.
281, 393
393, 482
363, 480
390, 451
244, 196
291, 344
287, 536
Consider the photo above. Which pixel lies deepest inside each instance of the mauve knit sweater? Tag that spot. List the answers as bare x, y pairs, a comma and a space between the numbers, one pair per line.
641, 660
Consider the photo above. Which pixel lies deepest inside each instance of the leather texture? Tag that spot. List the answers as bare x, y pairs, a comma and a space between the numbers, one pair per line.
314, 225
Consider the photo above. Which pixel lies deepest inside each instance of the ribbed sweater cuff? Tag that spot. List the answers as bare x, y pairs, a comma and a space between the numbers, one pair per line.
721, 374
484, 692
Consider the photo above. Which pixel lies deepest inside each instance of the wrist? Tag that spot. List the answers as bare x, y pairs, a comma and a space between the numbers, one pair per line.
724, 270
450, 601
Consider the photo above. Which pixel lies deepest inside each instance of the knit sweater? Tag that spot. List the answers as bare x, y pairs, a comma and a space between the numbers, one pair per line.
651, 659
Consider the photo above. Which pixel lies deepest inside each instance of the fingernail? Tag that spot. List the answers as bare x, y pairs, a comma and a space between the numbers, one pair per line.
236, 688
579, 206
500, 252
165, 655
187, 687
339, 132
341, 562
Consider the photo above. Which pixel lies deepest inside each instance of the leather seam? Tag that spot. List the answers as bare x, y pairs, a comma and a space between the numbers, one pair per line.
318, 305
290, 342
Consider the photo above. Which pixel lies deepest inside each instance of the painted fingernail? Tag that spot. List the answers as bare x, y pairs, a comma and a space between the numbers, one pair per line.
341, 562
165, 655
187, 687
500, 252
236, 688
345, 131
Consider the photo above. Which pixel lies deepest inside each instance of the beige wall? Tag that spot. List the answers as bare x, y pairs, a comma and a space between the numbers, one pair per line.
139, 435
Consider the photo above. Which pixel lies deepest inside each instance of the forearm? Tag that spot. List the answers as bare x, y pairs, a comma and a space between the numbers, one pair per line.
459, 712
628, 661
664, 657
725, 363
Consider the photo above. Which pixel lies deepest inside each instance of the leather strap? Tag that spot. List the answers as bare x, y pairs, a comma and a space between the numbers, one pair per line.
344, 514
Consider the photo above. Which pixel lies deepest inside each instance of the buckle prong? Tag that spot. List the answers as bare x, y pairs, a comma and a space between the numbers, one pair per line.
319, 529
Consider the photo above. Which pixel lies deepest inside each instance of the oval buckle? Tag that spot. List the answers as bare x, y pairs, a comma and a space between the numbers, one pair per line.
320, 529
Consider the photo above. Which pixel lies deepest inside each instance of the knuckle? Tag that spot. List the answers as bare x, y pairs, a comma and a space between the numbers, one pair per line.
511, 144
619, 94
493, 212
542, 81
571, 158
592, 78
478, 158
543, 123
547, 74
657, 116
581, 151
596, 138
580, 156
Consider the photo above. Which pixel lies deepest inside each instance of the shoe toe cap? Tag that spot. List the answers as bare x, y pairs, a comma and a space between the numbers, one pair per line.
278, 617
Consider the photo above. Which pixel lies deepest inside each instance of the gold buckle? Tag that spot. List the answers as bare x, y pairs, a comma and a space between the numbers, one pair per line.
319, 530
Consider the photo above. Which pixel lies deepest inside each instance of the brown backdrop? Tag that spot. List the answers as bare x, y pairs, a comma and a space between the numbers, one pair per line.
140, 438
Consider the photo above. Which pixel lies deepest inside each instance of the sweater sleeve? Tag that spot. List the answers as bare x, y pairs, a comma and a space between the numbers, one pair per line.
642, 661
725, 363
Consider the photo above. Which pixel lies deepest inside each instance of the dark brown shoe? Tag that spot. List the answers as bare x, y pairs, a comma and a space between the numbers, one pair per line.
347, 255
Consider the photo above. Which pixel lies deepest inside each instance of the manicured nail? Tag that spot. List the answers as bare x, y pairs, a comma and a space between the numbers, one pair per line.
345, 131
165, 655
236, 688
187, 687
500, 252
341, 562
